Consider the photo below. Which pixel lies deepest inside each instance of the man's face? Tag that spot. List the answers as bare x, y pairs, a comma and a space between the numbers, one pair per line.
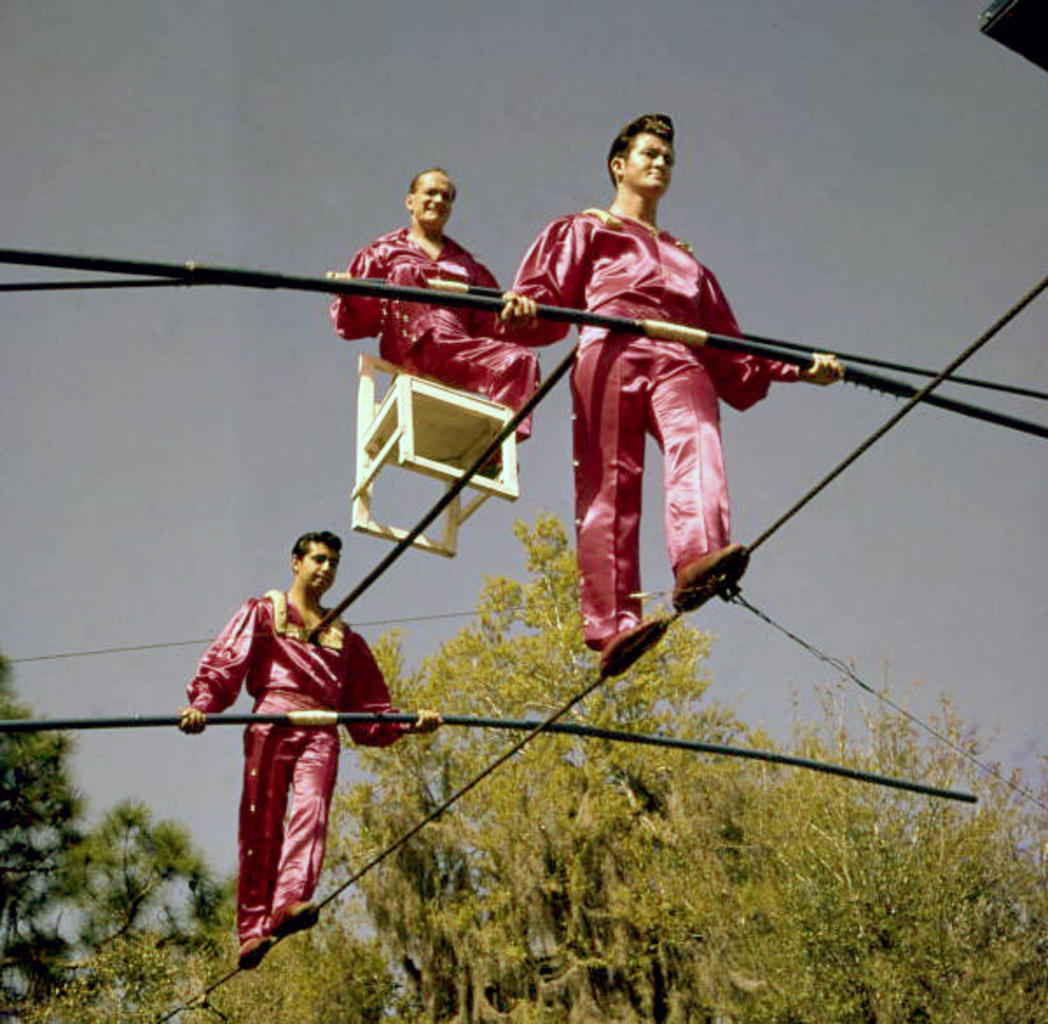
430, 204
316, 569
647, 166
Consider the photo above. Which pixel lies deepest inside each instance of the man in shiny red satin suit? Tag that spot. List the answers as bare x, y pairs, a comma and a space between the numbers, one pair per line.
265, 647
455, 345
618, 262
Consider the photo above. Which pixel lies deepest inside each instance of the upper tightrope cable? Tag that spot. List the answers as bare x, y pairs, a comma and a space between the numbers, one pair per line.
457, 294
907, 408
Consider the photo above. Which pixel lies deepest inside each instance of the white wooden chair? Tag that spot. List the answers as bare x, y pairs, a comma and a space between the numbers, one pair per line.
433, 429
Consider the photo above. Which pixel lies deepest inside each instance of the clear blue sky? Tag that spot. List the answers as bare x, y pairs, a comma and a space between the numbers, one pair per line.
867, 176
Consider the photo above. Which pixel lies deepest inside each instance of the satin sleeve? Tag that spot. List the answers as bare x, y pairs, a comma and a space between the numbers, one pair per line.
741, 379
226, 663
366, 691
551, 273
360, 316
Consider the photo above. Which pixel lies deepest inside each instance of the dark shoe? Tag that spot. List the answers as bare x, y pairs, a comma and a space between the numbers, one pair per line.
295, 918
252, 951
715, 573
625, 648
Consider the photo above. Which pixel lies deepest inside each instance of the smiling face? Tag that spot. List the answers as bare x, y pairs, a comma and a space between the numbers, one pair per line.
647, 166
430, 202
315, 570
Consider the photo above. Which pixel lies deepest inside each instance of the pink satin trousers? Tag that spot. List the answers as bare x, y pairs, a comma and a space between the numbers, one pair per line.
624, 388
280, 861
436, 341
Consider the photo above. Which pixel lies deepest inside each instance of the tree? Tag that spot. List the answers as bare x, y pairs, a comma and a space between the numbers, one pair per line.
592, 881
878, 907
98, 924
551, 888
38, 816
144, 916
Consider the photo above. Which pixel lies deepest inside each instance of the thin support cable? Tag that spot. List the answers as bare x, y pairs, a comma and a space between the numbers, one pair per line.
95, 651
201, 1002
908, 407
845, 670
205, 1005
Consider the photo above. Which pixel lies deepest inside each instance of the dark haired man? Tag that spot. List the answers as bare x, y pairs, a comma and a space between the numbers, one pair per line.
454, 345
618, 262
265, 647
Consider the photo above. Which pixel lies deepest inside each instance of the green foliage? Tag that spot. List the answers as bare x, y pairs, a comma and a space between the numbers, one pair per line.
133, 979
38, 813
143, 915
589, 881
131, 873
101, 925
881, 907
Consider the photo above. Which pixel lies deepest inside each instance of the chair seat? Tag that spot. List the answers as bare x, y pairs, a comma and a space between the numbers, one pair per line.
430, 428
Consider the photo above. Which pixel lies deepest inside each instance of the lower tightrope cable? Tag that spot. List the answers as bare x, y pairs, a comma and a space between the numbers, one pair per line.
845, 670
415, 829
201, 1000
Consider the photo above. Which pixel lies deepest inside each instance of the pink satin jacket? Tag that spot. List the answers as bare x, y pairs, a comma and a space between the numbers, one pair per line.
264, 648
613, 265
396, 258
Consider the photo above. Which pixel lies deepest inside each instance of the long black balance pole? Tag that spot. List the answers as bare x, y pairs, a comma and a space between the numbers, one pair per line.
917, 371
807, 350
849, 357
785, 352
329, 718
455, 294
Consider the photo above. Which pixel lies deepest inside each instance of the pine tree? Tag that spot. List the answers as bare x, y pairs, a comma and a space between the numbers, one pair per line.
98, 924
38, 822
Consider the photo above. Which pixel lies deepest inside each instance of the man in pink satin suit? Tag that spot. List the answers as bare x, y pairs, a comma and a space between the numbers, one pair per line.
454, 345
265, 647
618, 262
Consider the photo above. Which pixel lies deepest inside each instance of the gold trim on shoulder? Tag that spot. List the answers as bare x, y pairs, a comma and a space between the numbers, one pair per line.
609, 220
684, 245
332, 637
279, 601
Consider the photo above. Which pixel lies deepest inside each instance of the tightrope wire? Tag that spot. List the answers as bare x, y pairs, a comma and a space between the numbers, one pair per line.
907, 408
845, 670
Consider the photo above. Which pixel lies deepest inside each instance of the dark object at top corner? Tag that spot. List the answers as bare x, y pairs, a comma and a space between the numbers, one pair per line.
1021, 25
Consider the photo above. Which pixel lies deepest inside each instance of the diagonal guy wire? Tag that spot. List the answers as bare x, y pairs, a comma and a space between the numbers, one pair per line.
907, 408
